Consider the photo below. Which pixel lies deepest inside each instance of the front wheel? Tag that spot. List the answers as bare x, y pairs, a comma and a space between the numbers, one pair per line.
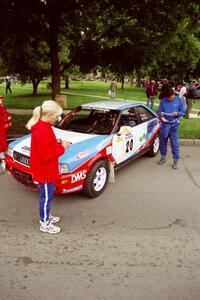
96, 179
154, 147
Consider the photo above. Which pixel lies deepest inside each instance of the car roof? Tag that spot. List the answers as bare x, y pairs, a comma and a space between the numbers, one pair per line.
116, 105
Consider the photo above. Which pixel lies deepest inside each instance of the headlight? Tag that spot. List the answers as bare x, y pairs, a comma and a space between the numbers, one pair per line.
63, 168
10, 152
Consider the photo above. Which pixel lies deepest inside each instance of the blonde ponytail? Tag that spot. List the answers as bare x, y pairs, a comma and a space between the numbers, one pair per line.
47, 106
35, 118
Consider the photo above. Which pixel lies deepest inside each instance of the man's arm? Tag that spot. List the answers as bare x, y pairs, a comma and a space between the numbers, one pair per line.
160, 108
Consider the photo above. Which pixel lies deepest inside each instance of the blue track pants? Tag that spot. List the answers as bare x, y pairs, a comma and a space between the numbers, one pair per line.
46, 195
169, 131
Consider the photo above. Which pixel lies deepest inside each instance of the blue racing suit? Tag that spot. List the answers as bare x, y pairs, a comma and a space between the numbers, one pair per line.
169, 124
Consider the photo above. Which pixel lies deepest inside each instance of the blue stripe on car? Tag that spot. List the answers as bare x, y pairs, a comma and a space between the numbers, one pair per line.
91, 147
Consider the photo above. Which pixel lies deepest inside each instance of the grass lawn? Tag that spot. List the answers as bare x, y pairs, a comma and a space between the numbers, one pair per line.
189, 128
18, 125
21, 98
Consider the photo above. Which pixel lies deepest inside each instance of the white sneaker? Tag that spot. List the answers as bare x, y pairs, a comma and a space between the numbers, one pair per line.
49, 228
53, 219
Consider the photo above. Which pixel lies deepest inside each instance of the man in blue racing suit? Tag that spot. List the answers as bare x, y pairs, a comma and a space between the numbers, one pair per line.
171, 108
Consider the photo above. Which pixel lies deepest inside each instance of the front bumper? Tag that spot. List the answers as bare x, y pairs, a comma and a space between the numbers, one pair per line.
65, 184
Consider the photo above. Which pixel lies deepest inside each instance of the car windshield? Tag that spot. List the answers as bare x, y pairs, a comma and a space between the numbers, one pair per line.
92, 121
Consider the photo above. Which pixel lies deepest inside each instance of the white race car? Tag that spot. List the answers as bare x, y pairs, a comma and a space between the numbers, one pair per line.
103, 137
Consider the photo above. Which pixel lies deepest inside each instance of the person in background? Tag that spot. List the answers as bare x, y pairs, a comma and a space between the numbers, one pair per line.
164, 88
151, 92
45, 151
170, 110
8, 84
190, 96
146, 84
113, 88
5, 124
182, 94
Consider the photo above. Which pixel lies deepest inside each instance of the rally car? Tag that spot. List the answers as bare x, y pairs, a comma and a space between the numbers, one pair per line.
103, 137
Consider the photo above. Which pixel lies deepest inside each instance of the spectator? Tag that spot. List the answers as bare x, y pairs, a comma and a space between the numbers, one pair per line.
146, 83
164, 89
169, 111
151, 92
178, 88
8, 84
5, 124
182, 94
112, 90
190, 96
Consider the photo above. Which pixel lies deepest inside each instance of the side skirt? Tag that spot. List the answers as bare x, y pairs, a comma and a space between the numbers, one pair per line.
126, 162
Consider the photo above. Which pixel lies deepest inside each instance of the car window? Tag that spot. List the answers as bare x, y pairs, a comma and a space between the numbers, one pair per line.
144, 114
129, 117
94, 121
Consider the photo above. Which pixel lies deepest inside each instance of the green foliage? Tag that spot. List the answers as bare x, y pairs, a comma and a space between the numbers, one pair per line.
40, 37
180, 54
78, 94
190, 129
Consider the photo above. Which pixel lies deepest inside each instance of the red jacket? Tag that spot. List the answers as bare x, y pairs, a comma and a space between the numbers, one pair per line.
44, 153
3, 141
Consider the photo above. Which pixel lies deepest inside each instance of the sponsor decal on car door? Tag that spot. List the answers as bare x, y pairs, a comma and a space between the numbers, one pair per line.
128, 141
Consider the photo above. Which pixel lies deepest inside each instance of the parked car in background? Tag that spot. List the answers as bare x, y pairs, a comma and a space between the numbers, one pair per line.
103, 135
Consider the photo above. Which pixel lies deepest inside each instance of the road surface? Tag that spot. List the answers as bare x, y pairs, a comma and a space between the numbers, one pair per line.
140, 240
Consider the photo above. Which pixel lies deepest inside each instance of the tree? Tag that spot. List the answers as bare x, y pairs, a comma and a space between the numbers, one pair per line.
24, 51
133, 35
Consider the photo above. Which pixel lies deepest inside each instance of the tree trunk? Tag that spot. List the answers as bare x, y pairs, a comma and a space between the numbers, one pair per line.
138, 77
67, 82
122, 81
131, 79
54, 50
35, 83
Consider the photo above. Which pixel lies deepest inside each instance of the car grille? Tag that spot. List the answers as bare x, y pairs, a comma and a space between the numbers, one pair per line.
21, 158
24, 178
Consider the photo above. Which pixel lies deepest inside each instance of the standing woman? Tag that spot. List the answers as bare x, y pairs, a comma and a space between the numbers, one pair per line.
45, 151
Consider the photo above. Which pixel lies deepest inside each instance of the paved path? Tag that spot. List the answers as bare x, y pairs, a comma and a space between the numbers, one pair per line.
134, 242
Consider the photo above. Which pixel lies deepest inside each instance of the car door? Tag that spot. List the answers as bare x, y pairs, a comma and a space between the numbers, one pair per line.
125, 141
131, 137
149, 122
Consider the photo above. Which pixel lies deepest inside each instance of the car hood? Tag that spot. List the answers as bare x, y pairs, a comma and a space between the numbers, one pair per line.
83, 147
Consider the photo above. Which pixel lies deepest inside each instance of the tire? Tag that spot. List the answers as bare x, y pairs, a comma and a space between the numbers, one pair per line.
96, 179
154, 147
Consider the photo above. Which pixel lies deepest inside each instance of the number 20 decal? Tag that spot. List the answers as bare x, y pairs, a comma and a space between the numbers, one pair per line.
129, 145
